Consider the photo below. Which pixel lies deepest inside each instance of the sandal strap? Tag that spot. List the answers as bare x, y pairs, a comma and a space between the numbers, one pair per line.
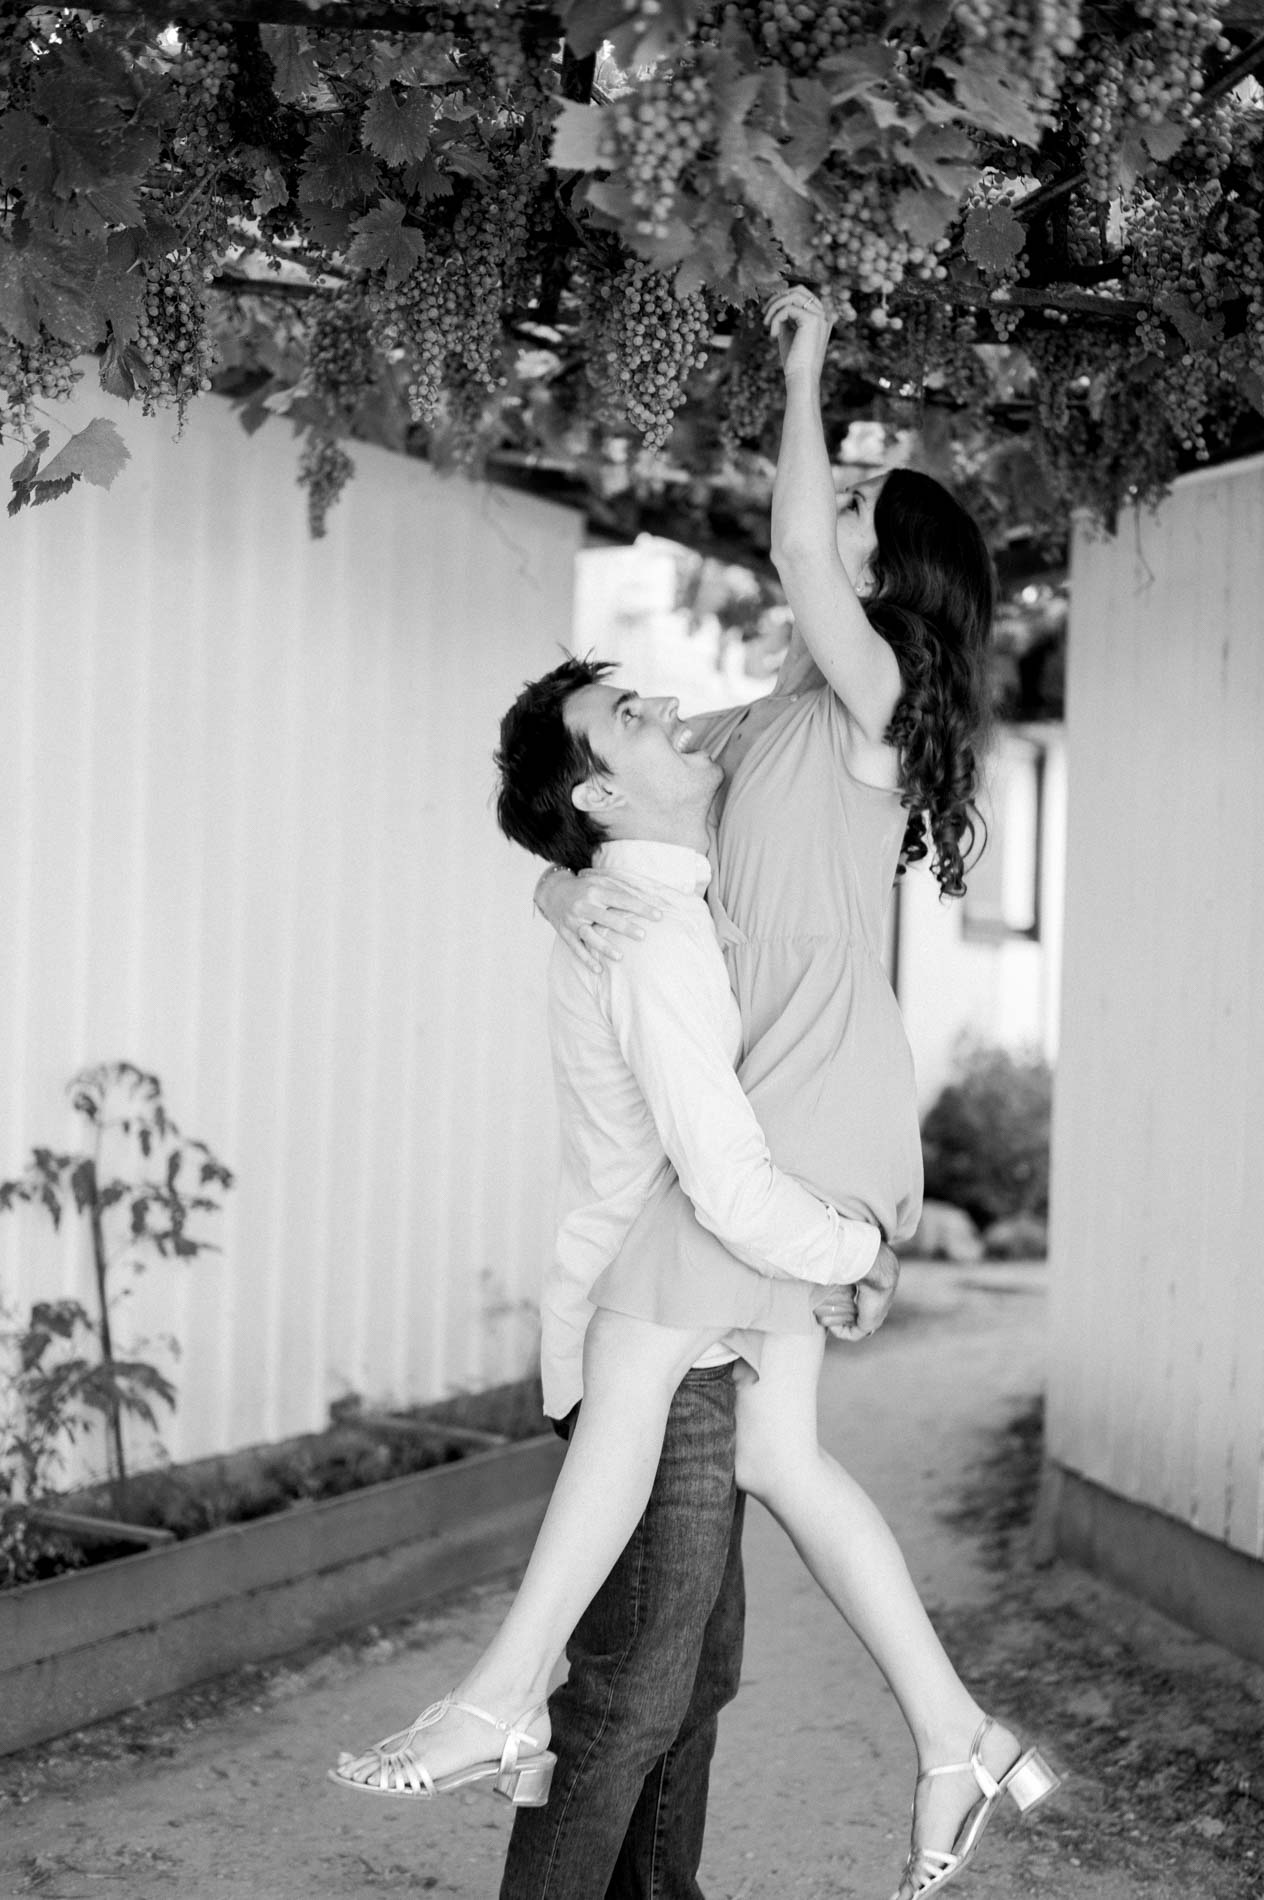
987, 1782
927, 1866
515, 1735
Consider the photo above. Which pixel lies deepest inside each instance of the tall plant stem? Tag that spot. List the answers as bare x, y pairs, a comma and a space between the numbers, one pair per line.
100, 1263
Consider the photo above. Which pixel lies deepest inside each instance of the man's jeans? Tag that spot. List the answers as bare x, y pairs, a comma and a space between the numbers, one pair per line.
653, 1661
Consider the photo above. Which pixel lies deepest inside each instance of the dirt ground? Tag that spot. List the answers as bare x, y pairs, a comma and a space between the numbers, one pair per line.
219, 1794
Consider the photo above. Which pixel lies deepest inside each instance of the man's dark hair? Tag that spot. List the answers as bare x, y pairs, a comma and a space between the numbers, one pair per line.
541, 761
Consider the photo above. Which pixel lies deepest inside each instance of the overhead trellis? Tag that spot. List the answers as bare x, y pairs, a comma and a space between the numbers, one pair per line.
535, 241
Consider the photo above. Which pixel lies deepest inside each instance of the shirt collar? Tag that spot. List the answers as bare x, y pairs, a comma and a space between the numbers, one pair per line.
676, 865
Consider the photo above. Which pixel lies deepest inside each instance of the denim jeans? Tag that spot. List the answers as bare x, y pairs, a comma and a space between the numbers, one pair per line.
655, 1658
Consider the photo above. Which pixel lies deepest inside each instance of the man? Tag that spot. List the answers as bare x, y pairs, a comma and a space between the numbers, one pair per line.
644, 1054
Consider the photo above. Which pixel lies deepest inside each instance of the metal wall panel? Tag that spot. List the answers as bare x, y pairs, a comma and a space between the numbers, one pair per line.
246, 840
1157, 1340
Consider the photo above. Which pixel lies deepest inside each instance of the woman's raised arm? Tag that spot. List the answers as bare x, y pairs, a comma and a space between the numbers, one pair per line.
856, 660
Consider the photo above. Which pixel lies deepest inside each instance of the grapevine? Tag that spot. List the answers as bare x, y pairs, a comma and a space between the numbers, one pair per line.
429, 234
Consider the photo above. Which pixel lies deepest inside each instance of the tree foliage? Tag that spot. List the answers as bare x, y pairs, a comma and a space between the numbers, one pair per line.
535, 240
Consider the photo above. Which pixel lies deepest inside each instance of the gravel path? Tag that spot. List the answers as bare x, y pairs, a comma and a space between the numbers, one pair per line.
219, 1794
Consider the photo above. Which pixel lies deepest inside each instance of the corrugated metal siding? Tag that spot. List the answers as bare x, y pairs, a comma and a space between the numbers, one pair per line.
1157, 1343
247, 842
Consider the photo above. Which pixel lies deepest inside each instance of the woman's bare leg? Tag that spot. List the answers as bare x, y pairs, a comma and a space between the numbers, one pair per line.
631, 1371
849, 1548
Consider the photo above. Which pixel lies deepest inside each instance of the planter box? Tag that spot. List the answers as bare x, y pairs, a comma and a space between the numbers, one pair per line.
85, 1645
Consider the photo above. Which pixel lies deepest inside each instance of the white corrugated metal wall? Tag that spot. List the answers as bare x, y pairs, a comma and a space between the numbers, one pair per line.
1157, 1341
246, 841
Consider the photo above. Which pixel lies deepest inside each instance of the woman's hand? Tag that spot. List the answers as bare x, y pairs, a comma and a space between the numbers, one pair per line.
835, 1310
591, 911
801, 325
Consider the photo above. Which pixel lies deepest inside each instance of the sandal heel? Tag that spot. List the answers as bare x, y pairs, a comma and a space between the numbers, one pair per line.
1030, 1781
528, 1786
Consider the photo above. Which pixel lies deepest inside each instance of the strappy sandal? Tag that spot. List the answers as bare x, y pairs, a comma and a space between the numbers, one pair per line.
393, 1768
1027, 1783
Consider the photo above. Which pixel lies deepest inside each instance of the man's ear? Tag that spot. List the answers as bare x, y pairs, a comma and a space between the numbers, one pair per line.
596, 795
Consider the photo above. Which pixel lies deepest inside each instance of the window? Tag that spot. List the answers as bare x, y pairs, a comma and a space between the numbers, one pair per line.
1003, 889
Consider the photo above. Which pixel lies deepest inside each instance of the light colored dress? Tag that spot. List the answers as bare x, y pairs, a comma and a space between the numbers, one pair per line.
806, 863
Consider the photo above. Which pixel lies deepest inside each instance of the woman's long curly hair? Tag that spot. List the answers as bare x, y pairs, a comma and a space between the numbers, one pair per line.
932, 600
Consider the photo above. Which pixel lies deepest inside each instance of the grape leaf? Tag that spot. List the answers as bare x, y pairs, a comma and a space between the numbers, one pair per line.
334, 170
426, 181
384, 241
939, 156
1197, 331
856, 73
469, 163
26, 157
328, 226
924, 215
992, 239
772, 188
613, 203
119, 295
581, 138
808, 122
1163, 140
760, 269
983, 83
58, 284
397, 127
97, 452
32, 493
293, 60
116, 201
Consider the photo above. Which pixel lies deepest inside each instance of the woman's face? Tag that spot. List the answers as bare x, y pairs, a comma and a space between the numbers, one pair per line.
855, 535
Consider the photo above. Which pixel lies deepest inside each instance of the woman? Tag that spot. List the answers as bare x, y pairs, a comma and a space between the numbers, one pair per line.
868, 742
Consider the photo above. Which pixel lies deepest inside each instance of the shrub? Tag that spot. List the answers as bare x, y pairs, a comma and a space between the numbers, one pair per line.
985, 1140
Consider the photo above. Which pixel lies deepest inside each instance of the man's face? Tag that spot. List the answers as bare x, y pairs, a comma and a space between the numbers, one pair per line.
855, 536
647, 749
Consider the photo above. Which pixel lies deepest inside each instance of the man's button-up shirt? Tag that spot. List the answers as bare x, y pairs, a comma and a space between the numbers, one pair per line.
644, 1056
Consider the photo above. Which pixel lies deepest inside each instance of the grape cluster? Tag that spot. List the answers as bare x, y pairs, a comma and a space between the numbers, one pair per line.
1151, 75
860, 252
660, 127
324, 469
520, 74
443, 321
30, 372
643, 340
173, 336
340, 355
204, 77
749, 390
1210, 143
1104, 425
799, 34
1033, 37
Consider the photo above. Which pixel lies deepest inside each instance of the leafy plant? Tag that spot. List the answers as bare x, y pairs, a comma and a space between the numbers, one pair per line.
536, 238
137, 1184
985, 1140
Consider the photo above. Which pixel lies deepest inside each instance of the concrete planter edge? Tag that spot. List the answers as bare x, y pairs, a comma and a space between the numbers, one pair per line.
79, 1647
